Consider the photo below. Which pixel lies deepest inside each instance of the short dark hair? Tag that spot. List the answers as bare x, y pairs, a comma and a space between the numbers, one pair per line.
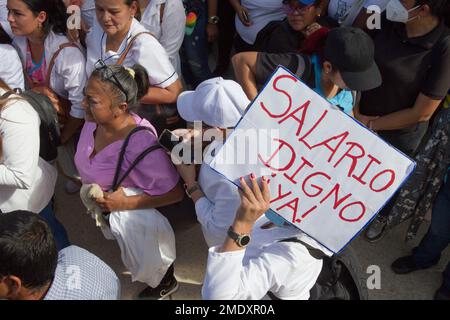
27, 249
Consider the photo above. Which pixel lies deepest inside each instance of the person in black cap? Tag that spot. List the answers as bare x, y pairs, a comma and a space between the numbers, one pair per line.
345, 63
412, 49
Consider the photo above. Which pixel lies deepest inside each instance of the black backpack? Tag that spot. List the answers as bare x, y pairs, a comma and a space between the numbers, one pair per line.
341, 277
49, 133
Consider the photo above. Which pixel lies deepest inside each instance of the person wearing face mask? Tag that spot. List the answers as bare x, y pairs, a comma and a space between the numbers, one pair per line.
346, 63
412, 49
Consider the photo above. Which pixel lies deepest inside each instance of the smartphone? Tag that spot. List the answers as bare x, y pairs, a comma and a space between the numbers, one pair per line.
168, 140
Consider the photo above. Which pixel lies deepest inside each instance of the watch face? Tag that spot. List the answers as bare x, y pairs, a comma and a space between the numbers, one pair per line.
244, 241
214, 20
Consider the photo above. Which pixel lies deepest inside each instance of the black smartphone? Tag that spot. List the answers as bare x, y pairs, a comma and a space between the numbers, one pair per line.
168, 140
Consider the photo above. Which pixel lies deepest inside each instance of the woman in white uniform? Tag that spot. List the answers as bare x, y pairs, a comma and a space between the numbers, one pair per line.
113, 31
53, 65
27, 182
166, 19
246, 268
11, 67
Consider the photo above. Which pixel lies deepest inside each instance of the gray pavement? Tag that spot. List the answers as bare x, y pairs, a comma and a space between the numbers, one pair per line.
192, 252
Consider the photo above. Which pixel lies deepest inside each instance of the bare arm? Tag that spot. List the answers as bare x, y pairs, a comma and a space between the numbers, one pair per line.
422, 110
70, 128
254, 202
244, 65
165, 95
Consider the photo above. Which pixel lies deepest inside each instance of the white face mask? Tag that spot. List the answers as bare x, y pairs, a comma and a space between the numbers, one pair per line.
396, 12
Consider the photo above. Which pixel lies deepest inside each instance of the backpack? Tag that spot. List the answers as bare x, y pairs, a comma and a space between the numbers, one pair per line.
49, 132
341, 277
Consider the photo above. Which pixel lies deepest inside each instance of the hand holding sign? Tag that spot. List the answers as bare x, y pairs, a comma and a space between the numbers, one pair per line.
329, 175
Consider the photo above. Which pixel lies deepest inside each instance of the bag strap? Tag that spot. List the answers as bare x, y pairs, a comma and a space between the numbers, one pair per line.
130, 44
52, 61
142, 155
315, 253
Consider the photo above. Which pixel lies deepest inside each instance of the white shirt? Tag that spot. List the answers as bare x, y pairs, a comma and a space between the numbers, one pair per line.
338, 8
68, 76
170, 33
284, 268
4, 17
27, 182
80, 275
146, 51
11, 70
88, 12
261, 12
215, 211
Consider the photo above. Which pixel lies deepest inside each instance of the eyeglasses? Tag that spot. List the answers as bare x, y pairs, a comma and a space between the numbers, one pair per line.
110, 75
300, 8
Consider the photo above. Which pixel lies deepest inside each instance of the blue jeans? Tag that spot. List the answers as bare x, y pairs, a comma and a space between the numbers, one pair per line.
437, 238
194, 51
58, 230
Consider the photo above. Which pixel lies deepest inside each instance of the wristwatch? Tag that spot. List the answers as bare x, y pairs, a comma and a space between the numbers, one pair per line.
213, 20
190, 191
242, 240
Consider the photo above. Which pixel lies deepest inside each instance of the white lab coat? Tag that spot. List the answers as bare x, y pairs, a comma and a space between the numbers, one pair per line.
11, 70
146, 51
27, 182
284, 268
68, 77
170, 33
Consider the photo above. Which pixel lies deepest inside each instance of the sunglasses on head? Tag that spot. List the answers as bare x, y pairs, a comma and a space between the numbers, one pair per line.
110, 75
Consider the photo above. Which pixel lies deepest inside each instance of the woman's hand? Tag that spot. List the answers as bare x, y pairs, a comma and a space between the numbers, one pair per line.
309, 30
254, 200
113, 201
365, 120
244, 16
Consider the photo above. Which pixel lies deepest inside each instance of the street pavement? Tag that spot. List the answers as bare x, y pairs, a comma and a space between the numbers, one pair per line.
192, 253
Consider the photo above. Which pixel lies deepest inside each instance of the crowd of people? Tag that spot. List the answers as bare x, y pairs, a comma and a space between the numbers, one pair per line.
132, 69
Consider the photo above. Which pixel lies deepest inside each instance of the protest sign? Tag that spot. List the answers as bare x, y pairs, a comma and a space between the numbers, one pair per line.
328, 174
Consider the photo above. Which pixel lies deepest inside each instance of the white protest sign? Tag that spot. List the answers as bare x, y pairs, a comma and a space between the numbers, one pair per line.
329, 175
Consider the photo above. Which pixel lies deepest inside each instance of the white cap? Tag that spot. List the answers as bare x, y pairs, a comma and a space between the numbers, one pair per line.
217, 102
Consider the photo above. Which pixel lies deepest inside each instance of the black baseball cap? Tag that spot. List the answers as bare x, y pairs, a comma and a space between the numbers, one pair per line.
352, 51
